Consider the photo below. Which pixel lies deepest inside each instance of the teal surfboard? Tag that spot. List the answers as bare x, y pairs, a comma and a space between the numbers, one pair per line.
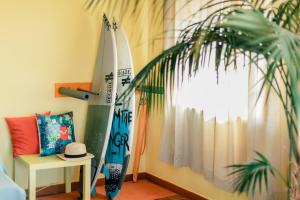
121, 134
101, 107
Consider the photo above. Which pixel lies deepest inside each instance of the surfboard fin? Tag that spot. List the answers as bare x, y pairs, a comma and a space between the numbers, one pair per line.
113, 195
93, 192
105, 171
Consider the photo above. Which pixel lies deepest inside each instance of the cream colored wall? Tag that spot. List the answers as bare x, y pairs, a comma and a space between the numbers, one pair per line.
49, 41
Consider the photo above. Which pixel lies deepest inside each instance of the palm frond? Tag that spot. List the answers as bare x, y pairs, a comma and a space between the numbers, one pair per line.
185, 55
207, 36
279, 46
247, 177
287, 15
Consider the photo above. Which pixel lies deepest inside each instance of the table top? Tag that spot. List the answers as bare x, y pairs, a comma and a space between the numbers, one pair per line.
47, 162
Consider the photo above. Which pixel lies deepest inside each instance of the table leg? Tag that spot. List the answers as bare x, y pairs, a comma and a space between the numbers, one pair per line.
68, 179
32, 184
87, 181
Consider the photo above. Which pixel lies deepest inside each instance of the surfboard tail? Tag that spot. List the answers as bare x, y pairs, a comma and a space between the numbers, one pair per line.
114, 177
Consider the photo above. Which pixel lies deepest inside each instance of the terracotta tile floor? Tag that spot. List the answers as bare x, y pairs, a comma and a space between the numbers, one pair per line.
142, 190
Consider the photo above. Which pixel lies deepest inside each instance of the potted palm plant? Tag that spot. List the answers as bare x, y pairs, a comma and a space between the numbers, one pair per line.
257, 31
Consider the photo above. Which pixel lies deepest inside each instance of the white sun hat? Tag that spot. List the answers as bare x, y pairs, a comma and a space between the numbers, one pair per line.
75, 152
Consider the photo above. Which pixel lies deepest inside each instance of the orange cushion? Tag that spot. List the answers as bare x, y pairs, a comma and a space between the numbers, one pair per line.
24, 135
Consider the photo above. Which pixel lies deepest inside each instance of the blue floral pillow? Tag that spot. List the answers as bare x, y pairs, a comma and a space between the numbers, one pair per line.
55, 132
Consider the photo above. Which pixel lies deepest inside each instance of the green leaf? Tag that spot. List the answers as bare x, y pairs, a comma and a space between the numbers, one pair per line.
247, 176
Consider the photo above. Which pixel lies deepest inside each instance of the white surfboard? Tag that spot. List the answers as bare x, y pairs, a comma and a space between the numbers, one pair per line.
101, 107
121, 135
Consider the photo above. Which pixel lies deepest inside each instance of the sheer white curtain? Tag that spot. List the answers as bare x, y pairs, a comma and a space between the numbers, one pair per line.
208, 126
267, 131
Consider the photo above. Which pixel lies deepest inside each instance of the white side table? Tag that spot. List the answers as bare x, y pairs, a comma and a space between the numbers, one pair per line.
35, 162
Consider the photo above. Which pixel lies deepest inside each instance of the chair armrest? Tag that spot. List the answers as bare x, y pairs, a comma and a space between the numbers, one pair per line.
9, 190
